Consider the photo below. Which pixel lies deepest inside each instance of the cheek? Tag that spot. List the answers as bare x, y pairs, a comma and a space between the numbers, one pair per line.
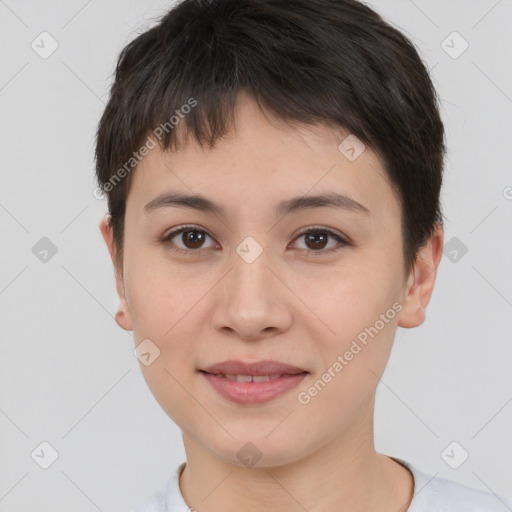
164, 303
151, 300
153, 292
348, 299
361, 310
355, 356
161, 306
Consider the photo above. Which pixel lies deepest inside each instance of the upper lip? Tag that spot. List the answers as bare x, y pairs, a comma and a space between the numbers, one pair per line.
235, 367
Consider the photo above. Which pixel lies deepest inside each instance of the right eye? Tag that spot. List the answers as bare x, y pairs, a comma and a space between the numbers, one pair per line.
192, 238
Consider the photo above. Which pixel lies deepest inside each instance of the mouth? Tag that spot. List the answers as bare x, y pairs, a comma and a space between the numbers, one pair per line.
248, 378
252, 383
261, 368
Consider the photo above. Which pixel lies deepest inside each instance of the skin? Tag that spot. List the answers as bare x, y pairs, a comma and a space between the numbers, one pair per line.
302, 309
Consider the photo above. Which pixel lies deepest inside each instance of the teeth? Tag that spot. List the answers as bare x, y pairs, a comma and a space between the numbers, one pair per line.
243, 378
260, 378
252, 378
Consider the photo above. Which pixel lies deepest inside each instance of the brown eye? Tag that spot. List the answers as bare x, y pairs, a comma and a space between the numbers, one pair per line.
316, 241
191, 240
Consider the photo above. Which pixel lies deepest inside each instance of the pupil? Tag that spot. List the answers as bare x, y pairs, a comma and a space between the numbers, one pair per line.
314, 237
196, 238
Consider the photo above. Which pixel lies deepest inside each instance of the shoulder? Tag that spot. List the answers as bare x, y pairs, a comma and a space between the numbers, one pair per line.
454, 496
436, 494
155, 503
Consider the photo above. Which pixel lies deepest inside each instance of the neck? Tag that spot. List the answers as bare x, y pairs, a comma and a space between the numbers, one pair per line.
344, 474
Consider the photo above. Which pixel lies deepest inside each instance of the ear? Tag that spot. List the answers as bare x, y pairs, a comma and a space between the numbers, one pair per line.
123, 316
420, 283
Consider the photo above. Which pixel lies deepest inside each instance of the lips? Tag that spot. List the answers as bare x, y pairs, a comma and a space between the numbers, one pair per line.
252, 383
270, 369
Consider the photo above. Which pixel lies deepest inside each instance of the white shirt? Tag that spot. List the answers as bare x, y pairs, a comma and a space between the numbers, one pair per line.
431, 494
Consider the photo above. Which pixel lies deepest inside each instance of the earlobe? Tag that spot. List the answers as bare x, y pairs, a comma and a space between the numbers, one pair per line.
420, 284
123, 316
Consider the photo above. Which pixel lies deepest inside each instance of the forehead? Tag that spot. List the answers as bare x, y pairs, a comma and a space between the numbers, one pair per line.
263, 160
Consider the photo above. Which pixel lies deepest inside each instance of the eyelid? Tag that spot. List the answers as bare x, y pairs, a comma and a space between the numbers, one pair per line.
324, 229
185, 227
342, 241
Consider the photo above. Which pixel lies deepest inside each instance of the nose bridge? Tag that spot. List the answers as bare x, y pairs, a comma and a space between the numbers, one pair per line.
250, 274
251, 299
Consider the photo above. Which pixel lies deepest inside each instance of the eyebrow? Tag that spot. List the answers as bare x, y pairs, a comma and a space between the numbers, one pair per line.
295, 204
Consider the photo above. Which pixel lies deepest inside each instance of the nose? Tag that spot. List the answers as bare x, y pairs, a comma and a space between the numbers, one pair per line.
252, 303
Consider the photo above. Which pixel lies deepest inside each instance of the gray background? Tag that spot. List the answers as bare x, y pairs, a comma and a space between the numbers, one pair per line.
67, 372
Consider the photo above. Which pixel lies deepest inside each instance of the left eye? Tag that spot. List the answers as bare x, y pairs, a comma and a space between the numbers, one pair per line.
193, 238
318, 237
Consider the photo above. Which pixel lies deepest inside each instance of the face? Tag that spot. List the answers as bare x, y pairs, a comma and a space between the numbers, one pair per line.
321, 288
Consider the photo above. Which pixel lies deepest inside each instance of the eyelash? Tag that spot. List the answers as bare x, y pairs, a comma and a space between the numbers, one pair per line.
311, 230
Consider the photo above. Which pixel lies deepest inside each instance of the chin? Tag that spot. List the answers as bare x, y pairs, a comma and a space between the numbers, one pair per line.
257, 451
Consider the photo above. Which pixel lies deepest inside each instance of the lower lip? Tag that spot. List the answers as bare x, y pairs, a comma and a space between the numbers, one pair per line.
247, 393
